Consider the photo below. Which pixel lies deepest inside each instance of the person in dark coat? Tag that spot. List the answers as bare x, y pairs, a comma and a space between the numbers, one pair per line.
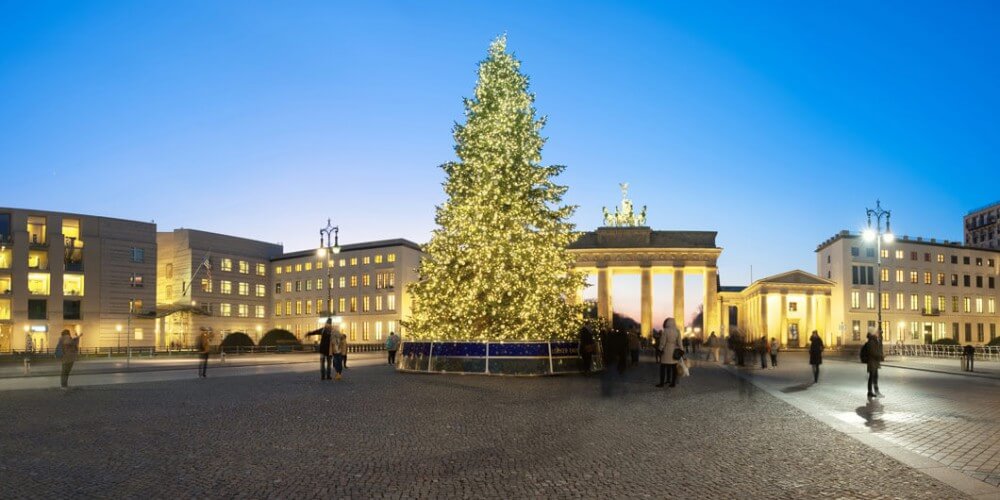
970, 356
815, 354
204, 347
68, 349
587, 349
762, 350
871, 355
325, 352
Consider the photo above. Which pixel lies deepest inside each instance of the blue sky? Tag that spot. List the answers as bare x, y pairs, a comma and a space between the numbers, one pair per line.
774, 123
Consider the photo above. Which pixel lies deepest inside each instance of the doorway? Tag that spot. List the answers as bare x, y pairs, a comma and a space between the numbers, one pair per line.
793, 335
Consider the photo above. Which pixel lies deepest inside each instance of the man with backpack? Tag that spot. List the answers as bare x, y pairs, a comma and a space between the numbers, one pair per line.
871, 355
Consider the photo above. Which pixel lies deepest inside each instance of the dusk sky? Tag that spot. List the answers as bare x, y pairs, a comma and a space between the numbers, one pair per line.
774, 123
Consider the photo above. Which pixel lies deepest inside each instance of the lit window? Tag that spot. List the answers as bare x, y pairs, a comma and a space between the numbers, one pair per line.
288, 308
277, 270
354, 261
309, 266
942, 303
364, 330
319, 283
354, 304
940, 257
900, 301
73, 285
226, 287
38, 283
261, 270
899, 276
391, 257
4, 309
870, 300
366, 260
288, 268
885, 275
940, 278
899, 255
354, 331
391, 302
244, 289
928, 303
342, 304
392, 326
342, 263
288, 286
967, 304
309, 285
991, 305
885, 300
913, 276
378, 259
243, 311
914, 302
259, 290
244, 267
225, 309
135, 280
6, 257
258, 311
366, 304
354, 281
226, 264
378, 302
378, 330
277, 308
309, 307
319, 265
979, 305
885, 253
366, 279
298, 268
298, 307
927, 278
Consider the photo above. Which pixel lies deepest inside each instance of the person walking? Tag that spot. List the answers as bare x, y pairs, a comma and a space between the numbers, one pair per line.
587, 349
657, 343
67, 350
671, 351
815, 354
774, 352
969, 352
324, 349
391, 346
204, 346
762, 349
713, 348
634, 346
338, 342
871, 355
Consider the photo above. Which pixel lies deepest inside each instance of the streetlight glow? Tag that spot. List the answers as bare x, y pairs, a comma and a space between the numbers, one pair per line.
888, 237
321, 252
868, 234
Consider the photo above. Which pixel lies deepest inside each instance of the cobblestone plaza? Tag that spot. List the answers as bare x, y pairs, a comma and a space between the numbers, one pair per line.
387, 435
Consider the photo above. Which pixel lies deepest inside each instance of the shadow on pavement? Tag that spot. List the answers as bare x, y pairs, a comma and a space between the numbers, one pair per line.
797, 388
872, 413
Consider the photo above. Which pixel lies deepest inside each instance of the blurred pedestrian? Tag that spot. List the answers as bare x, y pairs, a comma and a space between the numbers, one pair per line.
391, 346
713, 344
634, 346
587, 349
657, 343
774, 352
204, 346
871, 356
969, 352
762, 350
815, 354
671, 350
338, 342
67, 351
324, 349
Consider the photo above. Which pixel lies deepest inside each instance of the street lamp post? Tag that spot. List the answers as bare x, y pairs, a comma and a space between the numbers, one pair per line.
328, 252
878, 234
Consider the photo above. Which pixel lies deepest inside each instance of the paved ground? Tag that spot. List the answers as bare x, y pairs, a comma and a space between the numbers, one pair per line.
388, 435
48, 365
953, 420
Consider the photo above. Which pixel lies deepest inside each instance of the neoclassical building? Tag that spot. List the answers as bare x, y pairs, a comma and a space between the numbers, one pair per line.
787, 307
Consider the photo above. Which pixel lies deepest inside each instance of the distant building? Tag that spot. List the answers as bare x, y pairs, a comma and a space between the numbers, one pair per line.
212, 283
931, 289
367, 285
787, 307
92, 275
982, 227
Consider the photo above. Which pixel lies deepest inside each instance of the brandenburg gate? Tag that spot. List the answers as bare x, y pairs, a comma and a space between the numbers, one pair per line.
626, 246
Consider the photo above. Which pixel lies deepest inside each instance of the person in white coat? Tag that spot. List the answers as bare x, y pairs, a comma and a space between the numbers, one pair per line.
670, 341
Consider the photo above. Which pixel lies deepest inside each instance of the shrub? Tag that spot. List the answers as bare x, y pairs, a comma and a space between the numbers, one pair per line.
995, 342
946, 341
278, 337
237, 339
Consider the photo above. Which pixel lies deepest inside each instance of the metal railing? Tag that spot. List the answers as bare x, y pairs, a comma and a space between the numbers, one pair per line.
984, 353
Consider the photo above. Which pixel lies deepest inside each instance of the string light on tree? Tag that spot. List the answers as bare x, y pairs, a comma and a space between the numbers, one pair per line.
496, 268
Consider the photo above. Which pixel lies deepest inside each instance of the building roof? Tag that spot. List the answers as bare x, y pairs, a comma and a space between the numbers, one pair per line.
643, 237
795, 277
734, 289
368, 245
984, 207
955, 245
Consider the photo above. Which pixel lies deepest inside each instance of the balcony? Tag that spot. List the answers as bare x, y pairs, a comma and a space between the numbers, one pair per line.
930, 312
6, 240
37, 241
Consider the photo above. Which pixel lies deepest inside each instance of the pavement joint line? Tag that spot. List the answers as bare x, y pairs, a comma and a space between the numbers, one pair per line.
955, 478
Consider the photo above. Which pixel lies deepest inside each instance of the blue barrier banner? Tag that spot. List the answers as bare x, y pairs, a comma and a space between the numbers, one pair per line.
416, 348
459, 349
519, 349
565, 349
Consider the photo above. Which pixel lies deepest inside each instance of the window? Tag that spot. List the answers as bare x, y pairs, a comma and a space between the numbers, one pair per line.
258, 311
993, 331
135, 280
900, 276
966, 304
991, 305
342, 304
354, 304
277, 308
298, 307
244, 267
391, 325
940, 279
277, 288
391, 257
259, 290
71, 309
869, 252
243, 311
940, 258
342, 262
913, 255
4, 308
885, 300
262, 270
899, 255
914, 330
900, 301
954, 260
319, 283
366, 260
343, 282
309, 266
5, 285
968, 332
870, 300
309, 307
965, 260
979, 305
885, 275
391, 302
6, 257
354, 331
288, 308
954, 304
319, 265
942, 304
354, 281
927, 278
378, 328
378, 259
967, 280
954, 280
364, 330
38, 309
914, 302
225, 309
856, 330
38, 283
138, 255
169, 270
244, 289
288, 268
73, 285
226, 287
378, 302
954, 331
309, 285
927, 257
135, 306
989, 262
226, 264
298, 268
288, 287
277, 269
979, 281
913, 276
928, 304
298, 285
991, 282
885, 253
366, 304
979, 332
366, 279
855, 299
354, 261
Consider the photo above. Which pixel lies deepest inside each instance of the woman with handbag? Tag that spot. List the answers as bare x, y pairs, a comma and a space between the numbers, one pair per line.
670, 352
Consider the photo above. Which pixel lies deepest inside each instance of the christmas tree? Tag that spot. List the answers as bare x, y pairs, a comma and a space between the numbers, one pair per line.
497, 268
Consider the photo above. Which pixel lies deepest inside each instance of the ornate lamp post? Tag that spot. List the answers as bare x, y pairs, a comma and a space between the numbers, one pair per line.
324, 252
877, 234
